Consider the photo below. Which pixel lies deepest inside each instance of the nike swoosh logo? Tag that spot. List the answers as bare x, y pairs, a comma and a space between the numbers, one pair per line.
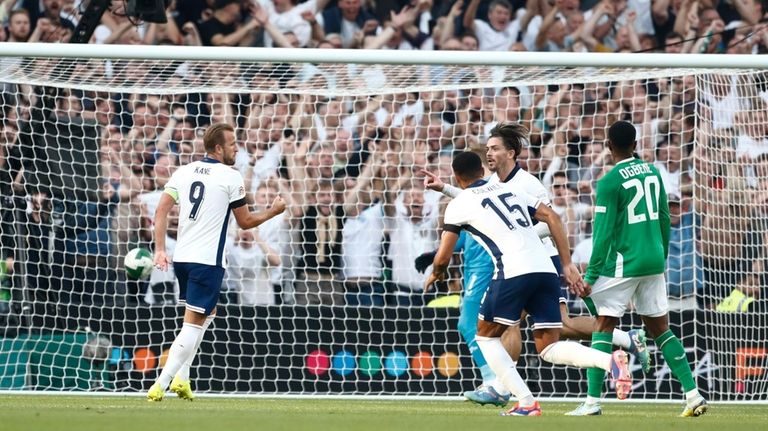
680, 358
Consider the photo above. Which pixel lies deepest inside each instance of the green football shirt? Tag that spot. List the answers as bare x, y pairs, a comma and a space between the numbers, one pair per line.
631, 224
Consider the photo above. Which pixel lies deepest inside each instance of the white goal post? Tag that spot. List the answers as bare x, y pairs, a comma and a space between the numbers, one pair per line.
325, 300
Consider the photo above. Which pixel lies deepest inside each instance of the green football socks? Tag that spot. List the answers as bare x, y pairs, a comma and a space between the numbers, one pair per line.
674, 353
602, 341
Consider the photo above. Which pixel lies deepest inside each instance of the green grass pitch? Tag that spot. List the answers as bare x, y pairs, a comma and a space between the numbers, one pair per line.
48, 412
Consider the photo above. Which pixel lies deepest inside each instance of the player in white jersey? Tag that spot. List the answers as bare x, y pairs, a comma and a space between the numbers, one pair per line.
505, 142
499, 216
207, 192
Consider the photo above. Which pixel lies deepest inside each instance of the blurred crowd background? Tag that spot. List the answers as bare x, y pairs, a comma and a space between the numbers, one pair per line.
349, 165
674, 26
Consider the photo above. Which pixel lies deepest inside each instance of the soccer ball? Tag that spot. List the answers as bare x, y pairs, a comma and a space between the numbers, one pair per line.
97, 349
138, 263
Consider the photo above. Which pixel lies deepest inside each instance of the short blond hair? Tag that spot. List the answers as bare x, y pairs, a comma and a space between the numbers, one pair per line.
214, 135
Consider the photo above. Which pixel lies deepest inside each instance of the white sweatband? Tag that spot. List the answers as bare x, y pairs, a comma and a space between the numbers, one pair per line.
451, 191
542, 230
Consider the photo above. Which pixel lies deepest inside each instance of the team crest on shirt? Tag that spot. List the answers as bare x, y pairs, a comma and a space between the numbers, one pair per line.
242, 190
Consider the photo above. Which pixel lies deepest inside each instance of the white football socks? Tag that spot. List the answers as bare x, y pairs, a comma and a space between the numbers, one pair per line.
181, 350
621, 339
692, 396
184, 370
591, 401
504, 368
574, 354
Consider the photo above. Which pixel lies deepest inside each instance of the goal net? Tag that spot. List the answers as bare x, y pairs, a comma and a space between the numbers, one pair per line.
325, 299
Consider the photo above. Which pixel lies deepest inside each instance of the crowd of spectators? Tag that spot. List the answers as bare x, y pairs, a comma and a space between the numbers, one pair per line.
349, 166
674, 26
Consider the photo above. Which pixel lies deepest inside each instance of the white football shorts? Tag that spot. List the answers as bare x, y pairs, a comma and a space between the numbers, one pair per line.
648, 295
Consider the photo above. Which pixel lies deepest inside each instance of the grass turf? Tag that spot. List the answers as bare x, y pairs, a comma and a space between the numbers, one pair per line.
22, 413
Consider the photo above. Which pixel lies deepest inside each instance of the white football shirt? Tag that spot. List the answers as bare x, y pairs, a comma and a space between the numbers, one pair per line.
489, 39
361, 243
498, 217
207, 191
408, 239
532, 186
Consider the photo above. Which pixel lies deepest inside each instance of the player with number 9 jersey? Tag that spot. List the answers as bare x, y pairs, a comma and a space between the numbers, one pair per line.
206, 192
631, 209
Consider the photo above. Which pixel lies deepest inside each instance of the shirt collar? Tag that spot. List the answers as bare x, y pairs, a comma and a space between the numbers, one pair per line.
513, 173
478, 183
209, 160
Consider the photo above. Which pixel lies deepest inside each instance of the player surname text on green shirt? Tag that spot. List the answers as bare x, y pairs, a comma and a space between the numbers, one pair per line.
633, 170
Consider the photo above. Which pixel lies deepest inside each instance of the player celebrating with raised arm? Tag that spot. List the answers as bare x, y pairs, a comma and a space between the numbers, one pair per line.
498, 216
504, 145
629, 254
477, 273
206, 191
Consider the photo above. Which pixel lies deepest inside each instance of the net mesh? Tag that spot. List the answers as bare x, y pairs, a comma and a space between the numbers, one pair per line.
88, 145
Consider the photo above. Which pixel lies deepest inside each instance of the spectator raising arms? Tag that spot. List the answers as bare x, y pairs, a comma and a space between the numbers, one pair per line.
499, 32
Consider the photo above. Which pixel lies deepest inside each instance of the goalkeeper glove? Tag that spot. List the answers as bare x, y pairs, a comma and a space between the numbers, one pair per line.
424, 260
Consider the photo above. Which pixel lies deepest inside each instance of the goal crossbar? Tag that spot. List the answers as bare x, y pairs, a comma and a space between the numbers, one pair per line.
477, 58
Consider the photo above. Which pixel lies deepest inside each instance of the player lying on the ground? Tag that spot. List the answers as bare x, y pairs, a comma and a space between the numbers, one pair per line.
498, 215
